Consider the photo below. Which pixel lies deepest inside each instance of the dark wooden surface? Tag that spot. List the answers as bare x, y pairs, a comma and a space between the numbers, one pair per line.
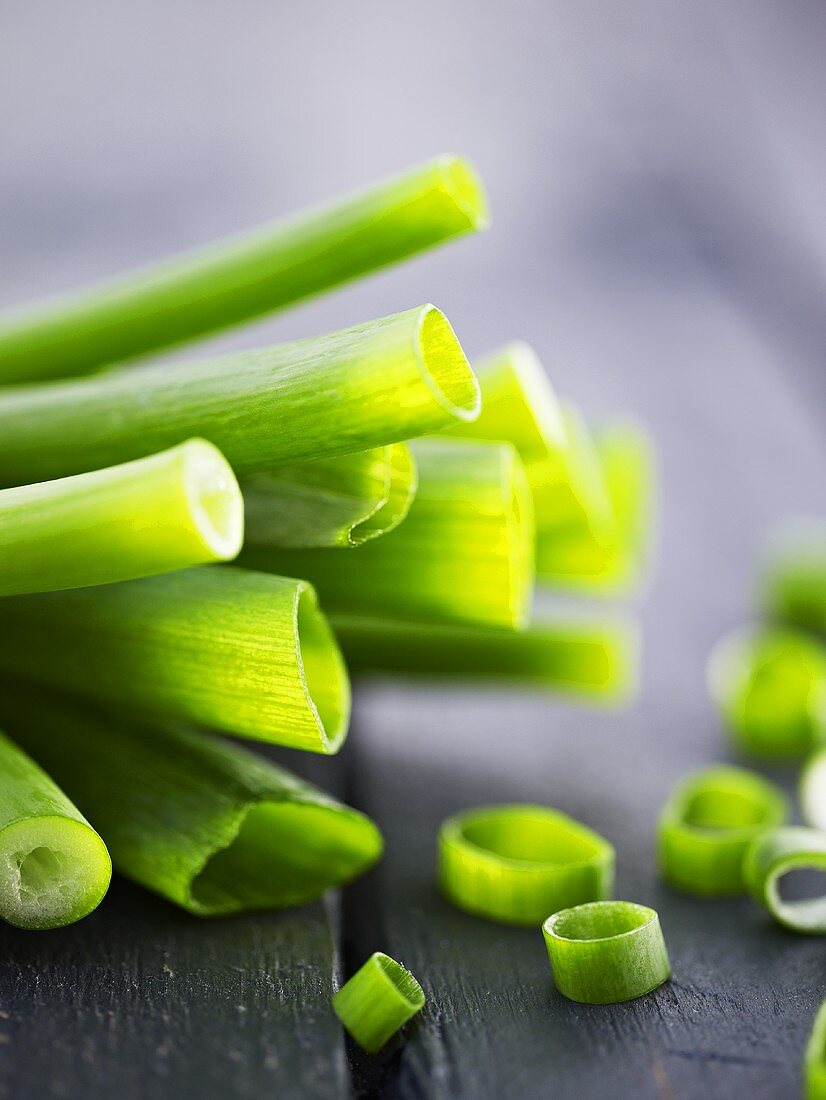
656, 175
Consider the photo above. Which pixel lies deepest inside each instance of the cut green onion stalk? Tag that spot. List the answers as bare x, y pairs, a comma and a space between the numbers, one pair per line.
518, 863
813, 790
218, 646
770, 686
606, 951
772, 856
707, 825
243, 277
54, 868
814, 1067
597, 660
464, 553
794, 581
377, 383
199, 820
169, 511
341, 501
377, 1001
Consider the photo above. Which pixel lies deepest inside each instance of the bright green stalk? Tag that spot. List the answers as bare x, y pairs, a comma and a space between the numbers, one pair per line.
206, 824
54, 868
242, 652
776, 853
332, 502
598, 660
606, 951
770, 686
708, 823
374, 384
243, 277
168, 511
517, 864
377, 1001
464, 552
814, 1068
794, 581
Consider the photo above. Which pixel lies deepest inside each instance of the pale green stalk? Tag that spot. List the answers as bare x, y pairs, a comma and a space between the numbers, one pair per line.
464, 553
332, 502
243, 277
377, 383
244, 652
171, 510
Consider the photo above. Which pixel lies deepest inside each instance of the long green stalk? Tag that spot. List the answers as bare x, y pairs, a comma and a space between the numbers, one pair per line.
464, 552
196, 819
219, 646
242, 277
341, 501
153, 515
54, 868
596, 660
377, 383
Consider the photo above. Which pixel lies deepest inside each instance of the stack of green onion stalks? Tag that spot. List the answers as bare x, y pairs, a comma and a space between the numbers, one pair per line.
387, 509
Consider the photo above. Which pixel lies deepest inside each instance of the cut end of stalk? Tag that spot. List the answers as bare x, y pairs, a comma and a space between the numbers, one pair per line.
401, 980
53, 871
402, 480
322, 669
445, 367
464, 186
318, 848
215, 499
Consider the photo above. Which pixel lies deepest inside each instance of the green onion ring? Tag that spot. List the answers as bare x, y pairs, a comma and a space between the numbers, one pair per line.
707, 824
379, 999
774, 854
814, 1064
518, 863
606, 951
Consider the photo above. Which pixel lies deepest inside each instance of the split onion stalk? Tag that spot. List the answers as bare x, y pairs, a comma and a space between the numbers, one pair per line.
595, 660
333, 502
378, 383
606, 951
776, 854
794, 580
464, 553
518, 863
218, 646
377, 1001
54, 868
206, 824
770, 687
243, 277
592, 498
152, 515
814, 1065
708, 823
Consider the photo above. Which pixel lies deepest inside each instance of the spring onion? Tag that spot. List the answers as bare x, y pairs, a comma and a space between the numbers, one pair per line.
598, 660
243, 277
377, 1001
54, 868
776, 853
794, 579
770, 686
152, 515
341, 501
606, 951
464, 553
707, 824
377, 383
518, 863
218, 646
813, 790
814, 1064
201, 821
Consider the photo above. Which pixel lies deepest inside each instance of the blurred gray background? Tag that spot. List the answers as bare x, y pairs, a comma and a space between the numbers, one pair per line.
657, 173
